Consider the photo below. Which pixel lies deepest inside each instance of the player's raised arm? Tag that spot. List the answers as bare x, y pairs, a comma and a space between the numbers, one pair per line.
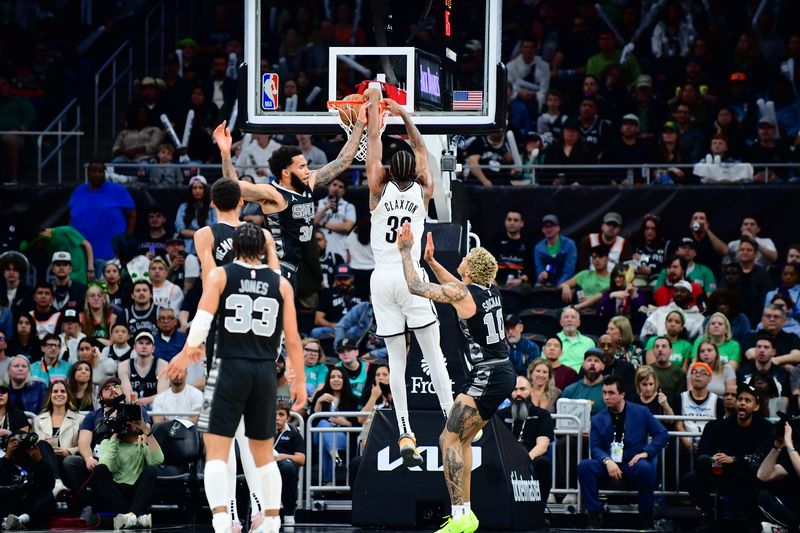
441, 273
294, 347
203, 244
343, 161
424, 176
270, 200
376, 174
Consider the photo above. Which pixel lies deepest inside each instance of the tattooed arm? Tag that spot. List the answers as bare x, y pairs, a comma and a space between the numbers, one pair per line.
343, 161
270, 200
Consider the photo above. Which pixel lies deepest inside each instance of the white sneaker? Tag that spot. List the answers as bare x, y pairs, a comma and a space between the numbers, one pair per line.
58, 488
551, 499
236, 526
145, 520
124, 521
12, 521
570, 499
272, 524
768, 527
288, 520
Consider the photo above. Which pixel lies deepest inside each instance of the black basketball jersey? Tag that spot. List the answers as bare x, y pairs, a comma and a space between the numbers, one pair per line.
485, 332
223, 243
250, 315
144, 386
292, 228
142, 320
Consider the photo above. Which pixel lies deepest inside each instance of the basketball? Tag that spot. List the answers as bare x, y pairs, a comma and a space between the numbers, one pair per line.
349, 113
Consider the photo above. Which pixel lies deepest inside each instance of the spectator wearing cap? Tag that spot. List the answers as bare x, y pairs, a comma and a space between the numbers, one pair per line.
154, 242
165, 293
335, 216
142, 376
671, 377
681, 301
67, 239
628, 149
335, 302
554, 256
675, 271
138, 140
485, 155
45, 316
765, 150
71, 334
51, 367
253, 158
66, 291
196, 212
24, 392
650, 110
625, 441
619, 249
691, 135
512, 250
521, 351
569, 149
149, 90
591, 386
755, 281
355, 371
591, 282
184, 268
530, 68
766, 253
696, 273
100, 211
730, 452
15, 294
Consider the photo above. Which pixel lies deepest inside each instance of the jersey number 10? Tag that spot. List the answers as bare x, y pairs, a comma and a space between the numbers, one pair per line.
495, 327
395, 223
243, 320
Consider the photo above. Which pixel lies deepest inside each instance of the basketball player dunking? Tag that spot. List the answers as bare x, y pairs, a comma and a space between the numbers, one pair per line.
255, 306
287, 203
402, 196
491, 379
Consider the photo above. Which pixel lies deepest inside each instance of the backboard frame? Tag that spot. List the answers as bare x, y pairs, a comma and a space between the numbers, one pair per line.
326, 123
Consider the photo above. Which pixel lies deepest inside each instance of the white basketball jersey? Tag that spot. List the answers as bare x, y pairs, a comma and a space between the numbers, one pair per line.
396, 207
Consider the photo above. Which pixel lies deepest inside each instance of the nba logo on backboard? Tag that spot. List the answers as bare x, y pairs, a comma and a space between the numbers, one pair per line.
269, 91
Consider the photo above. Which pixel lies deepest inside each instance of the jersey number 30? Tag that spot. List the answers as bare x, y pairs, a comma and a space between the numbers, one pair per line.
395, 223
243, 320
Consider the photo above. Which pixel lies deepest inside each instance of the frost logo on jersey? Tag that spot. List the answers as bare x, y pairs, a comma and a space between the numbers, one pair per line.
420, 385
304, 211
432, 459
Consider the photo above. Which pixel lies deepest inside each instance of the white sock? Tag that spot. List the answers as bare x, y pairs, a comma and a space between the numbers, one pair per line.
221, 522
24, 518
467, 507
428, 339
396, 348
230, 467
216, 485
251, 475
272, 485
458, 512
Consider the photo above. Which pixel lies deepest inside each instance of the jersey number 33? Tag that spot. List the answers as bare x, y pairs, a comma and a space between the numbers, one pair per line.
244, 321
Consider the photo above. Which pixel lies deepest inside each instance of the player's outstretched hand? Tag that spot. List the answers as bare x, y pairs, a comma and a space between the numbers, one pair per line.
299, 395
222, 136
429, 248
393, 107
405, 238
176, 367
362, 112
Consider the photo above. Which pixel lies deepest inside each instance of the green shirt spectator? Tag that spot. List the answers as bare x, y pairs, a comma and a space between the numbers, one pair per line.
574, 349
127, 460
581, 391
729, 351
67, 239
591, 283
681, 350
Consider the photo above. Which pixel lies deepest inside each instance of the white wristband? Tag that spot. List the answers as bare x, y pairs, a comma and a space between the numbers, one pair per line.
199, 330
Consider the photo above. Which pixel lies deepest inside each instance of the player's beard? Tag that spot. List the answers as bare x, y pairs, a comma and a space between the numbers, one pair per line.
519, 410
298, 184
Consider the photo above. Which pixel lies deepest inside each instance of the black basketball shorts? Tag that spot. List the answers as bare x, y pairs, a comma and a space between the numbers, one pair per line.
239, 388
489, 384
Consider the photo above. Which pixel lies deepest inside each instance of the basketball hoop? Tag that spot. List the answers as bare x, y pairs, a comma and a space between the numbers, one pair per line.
346, 113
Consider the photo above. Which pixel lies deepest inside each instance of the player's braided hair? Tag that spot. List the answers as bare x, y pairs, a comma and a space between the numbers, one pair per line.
403, 166
482, 266
249, 241
225, 194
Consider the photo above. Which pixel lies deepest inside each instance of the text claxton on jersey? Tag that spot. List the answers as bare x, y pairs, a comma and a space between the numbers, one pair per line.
401, 203
253, 286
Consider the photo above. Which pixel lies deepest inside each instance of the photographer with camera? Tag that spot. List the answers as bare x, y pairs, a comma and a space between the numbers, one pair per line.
26, 484
125, 477
780, 502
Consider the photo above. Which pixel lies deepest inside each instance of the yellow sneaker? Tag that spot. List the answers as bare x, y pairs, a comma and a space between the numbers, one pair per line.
466, 524
408, 450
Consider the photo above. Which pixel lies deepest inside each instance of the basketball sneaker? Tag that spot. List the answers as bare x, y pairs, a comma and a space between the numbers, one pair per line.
408, 449
125, 521
466, 524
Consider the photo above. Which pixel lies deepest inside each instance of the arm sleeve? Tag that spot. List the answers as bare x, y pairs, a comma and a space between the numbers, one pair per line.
109, 454
153, 457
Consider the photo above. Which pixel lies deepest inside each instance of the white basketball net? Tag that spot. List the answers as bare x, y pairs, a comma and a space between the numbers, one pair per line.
334, 106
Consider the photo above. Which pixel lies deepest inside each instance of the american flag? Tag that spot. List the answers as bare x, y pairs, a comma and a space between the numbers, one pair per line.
467, 100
